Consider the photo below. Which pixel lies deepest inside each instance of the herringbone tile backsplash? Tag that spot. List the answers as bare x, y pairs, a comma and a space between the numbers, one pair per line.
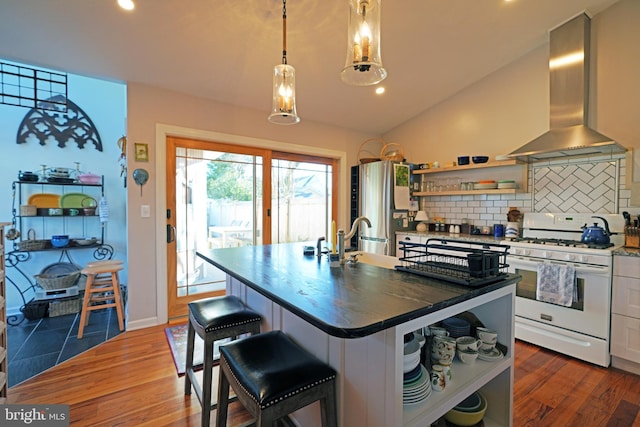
594, 184
577, 187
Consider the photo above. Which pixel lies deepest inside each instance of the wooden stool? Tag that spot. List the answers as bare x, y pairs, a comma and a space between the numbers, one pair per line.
101, 291
272, 377
214, 319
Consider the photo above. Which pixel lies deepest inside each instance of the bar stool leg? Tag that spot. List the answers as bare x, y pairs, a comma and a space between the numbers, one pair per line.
223, 400
191, 337
328, 408
84, 314
118, 299
206, 381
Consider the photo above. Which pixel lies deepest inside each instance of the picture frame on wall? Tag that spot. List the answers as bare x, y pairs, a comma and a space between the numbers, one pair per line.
141, 152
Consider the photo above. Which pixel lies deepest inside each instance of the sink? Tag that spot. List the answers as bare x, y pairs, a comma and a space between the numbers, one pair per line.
383, 261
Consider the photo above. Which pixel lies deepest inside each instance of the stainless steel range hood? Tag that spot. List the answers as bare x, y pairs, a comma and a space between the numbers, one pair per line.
569, 134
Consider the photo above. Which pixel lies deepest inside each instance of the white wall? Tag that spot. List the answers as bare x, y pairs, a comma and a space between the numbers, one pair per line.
104, 103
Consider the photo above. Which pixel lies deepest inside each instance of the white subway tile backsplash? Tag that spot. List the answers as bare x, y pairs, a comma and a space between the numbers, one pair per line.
594, 184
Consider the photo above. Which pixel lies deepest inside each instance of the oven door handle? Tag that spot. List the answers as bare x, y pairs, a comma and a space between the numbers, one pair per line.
519, 262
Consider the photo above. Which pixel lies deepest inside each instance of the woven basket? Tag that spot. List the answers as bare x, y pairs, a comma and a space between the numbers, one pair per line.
50, 281
64, 306
392, 151
34, 310
28, 210
32, 244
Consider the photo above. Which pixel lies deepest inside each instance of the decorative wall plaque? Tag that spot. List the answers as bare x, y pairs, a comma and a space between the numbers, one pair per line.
56, 125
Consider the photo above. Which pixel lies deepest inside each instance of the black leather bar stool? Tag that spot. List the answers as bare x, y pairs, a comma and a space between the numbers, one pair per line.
272, 376
214, 319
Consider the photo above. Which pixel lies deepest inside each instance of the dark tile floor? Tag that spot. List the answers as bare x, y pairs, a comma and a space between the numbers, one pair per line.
37, 345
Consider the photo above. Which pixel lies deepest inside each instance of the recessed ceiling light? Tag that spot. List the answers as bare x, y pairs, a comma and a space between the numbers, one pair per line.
126, 4
380, 90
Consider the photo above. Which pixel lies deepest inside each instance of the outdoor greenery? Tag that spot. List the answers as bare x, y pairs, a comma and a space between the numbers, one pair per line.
229, 181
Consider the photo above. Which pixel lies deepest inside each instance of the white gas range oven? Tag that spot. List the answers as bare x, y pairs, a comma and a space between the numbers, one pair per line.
581, 327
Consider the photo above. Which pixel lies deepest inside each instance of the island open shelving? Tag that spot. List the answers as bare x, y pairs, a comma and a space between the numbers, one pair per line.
355, 318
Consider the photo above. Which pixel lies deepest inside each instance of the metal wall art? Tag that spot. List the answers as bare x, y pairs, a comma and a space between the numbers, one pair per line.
74, 125
25, 86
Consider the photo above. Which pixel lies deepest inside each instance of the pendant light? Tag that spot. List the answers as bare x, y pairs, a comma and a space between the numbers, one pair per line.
283, 110
363, 66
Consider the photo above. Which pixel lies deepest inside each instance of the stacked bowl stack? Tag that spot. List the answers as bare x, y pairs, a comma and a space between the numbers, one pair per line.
416, 386
456, 327
469, 412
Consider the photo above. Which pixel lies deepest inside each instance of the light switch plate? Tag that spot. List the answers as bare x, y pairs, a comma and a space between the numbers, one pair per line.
145, 211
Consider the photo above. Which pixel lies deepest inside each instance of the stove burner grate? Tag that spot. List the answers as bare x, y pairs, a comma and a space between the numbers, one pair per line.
562, 242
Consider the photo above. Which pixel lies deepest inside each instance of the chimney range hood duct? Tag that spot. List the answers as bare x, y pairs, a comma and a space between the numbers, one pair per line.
569, 134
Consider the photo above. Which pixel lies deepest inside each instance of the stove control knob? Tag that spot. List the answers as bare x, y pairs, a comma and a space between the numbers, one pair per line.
526, 252
516, 251
583, 258
570, 257
546, 254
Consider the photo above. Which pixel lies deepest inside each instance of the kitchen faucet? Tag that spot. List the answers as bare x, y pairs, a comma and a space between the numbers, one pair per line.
319, 246
342, 237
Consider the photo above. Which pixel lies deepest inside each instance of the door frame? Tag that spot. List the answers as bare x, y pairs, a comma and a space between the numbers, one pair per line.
163, 131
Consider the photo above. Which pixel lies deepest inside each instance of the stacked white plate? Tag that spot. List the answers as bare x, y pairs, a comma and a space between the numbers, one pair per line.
490, 356
506, 183
488, 186
416, 386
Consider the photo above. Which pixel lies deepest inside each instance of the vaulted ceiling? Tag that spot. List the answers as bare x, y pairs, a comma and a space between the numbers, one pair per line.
225, 50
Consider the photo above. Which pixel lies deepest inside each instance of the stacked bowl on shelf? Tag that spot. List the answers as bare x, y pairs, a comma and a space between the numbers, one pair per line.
457, 327
416, 385
469, 412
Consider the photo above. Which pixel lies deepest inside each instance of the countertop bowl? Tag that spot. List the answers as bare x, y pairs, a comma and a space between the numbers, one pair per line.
89, 178
463, 160
85, 241
461, 417
59, 241
480, 159
28, 177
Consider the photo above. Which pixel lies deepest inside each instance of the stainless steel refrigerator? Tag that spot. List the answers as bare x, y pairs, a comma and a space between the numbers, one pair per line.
383, 198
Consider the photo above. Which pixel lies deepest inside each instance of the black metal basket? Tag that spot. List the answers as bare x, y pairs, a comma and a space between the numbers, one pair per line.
34, 310
451, 261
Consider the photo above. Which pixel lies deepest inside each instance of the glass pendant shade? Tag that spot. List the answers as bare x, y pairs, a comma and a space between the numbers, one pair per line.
283, 111
363, 66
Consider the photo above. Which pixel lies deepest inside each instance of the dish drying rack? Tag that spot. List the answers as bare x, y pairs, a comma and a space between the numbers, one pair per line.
446, 260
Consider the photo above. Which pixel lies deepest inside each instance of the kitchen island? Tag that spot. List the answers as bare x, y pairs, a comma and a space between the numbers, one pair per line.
355, 317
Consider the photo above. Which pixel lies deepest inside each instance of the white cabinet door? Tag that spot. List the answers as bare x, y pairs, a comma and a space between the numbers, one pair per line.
625, 337
400, 237
626, 296
628, 266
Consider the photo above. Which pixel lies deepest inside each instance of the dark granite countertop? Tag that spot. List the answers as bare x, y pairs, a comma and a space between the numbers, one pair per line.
624, 251
350, 301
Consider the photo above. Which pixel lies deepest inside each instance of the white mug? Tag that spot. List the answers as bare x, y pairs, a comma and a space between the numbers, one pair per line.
468, 343
488, 336
438, 378
467, 356
437, 330
443, 349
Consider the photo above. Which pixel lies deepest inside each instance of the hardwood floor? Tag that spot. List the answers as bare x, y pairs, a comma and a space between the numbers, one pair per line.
555, 390
131, 381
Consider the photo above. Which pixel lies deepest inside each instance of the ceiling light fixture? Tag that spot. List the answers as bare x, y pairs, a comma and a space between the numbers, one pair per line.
283, 110
363, 66
126, 4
